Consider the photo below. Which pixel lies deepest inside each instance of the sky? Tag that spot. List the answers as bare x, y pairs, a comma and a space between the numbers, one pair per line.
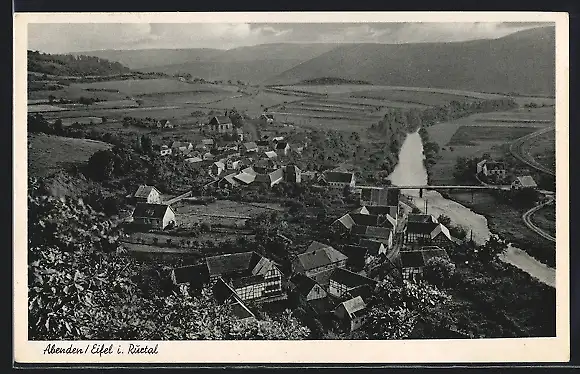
78, 37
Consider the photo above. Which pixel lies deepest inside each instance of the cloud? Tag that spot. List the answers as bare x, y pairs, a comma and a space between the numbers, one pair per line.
60, 38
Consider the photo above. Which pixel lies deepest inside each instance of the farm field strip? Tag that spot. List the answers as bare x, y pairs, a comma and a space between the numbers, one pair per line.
306, 108
469, 134
520, 150
149, 86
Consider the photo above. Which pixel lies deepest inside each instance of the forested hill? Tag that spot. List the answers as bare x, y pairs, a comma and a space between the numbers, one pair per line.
69, 65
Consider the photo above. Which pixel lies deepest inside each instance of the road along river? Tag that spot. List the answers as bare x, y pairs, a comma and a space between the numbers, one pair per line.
411, 171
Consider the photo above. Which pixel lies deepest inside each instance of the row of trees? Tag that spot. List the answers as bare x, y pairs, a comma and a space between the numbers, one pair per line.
71, 65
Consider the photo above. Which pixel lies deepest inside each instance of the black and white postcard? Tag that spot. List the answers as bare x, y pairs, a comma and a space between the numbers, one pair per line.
291, 188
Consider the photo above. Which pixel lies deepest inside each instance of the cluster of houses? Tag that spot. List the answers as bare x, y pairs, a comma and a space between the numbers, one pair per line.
497, 171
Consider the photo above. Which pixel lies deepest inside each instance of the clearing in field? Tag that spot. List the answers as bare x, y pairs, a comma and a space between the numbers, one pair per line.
48, 154
471, 135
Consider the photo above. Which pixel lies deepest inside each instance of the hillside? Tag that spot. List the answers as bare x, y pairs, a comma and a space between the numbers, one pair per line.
73, 65
523, 62
145, 58
249, 64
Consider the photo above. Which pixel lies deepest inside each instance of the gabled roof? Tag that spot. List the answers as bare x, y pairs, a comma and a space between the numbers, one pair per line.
365, 219
193, 160
350, 279
353, 306
380, 195
494, 165
281, 145
271, 154
219, 164
421, 227
249, 170
526, 181
339, 177
320, 257
145, 210
292, 169
223, 119
345, 221
245, 178
371, 231
314, 246
323, 277
373, 246
144, 191
421, 218
250, 145
195, 275
241, 311
354, 251
230, 179
244, 264
303, 283
440, 229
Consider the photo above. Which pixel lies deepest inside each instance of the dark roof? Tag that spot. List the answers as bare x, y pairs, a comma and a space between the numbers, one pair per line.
195, 275
372, 246
263, 143
381, 210
421, 227
320, 257
144, 190
281, 145
371, 231
421, 218
323, 277
303, 283
222, 292
354, 250
338, 176
349, 279
232, 263
365, 291
495, 165
364, 219
240, 311
145, 210
315, 246
381, 196
292, 169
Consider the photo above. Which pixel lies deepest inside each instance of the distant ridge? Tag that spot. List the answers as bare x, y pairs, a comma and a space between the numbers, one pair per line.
522, 62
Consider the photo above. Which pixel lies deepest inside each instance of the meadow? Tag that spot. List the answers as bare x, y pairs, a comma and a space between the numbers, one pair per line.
136, 87
48, 154
474, 135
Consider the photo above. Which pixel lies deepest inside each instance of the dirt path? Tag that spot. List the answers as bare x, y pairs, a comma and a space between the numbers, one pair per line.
528, 221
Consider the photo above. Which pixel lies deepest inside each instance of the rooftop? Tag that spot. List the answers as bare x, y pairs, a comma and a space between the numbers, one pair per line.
349, 279
145, 210
338, 176
144, 191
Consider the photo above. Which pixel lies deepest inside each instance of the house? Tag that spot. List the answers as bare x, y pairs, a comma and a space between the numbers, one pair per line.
263, 145
250, 147
270, 154
182, 147
193, 160
307, 288
352, 313
228, 182
266, 118
338, 180
427, 233
250, 275
314, 246
349, 220
492, 168
292, 174
157, 216
245, 178
479, 166
240, 134
282, 148
524, 182
220, 124
387, 211
375, 247
343, 281
357, 256
208, 156
309, 175
147, 194
224, 294
381, 196
217, 167
272, 178
424, 218
165, 124
208, 143
277, 139
194, 276
382, 234
233, 164
442, 237
164, 150
312, 262
413, 262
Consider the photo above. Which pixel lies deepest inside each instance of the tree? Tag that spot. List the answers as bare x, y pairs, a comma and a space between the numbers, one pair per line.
101, 165
439, 271
444, 220
58, 126
146, 144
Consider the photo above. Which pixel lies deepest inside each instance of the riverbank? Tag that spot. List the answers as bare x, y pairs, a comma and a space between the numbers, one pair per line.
506, 221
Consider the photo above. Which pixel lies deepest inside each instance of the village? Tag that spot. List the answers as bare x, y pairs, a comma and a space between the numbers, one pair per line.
383, 238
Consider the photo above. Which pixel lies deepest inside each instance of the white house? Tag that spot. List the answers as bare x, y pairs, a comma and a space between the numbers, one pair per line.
523, 182
157, 216
338, 180
147, 194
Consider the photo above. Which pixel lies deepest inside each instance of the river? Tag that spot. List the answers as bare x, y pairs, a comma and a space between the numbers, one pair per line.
411, 171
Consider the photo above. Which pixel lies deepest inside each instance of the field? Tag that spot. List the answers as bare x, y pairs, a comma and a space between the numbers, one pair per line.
473, 135
136, 87
543, 149
545, 219
506, 221
39, 108
82, 120
48, 154
485, 133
